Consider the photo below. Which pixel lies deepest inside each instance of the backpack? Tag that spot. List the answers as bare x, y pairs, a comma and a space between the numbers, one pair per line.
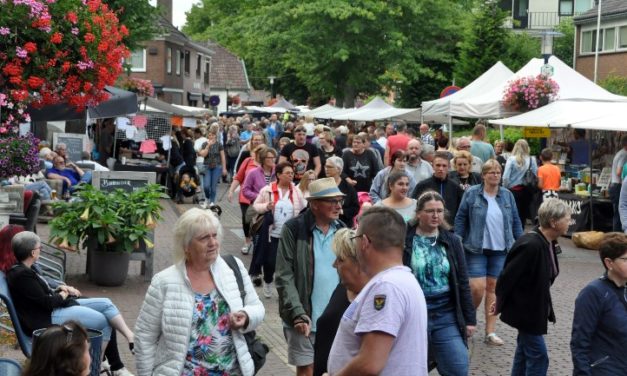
233, 147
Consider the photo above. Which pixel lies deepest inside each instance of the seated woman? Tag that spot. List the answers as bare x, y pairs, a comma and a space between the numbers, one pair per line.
39, 306
60, 350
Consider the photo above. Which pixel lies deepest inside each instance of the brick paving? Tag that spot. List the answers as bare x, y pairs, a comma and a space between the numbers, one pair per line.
578, 267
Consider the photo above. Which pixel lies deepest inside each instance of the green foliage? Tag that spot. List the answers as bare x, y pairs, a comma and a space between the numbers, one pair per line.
614, 83
513, 134
521, 48
341, 48
117, 220
485, 42
563, 46
139, 17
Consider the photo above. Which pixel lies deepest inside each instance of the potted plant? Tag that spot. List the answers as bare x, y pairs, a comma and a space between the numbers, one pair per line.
110, 225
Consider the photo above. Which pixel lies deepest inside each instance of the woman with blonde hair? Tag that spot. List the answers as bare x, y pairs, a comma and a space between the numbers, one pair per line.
462, 163
194, 316
516, 167
352, 281
303, 185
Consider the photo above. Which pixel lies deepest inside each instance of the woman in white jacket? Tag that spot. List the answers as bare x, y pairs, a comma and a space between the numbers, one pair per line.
193, 318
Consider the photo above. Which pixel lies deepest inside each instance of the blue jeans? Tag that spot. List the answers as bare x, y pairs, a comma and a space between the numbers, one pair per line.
40, 187
531, 357
210, 182
94, 313
447, 343
614, 191
488, 264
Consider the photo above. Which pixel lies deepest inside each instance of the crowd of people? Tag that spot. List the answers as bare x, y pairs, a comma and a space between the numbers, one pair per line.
380, 244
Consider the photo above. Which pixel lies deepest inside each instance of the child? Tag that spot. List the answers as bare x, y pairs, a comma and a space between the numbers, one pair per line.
187, 188
549, 175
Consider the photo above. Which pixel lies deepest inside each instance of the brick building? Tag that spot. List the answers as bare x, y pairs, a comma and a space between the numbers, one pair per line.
612, 42
185, 72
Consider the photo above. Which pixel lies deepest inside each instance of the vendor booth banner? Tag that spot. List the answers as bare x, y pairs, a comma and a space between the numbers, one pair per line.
528, 93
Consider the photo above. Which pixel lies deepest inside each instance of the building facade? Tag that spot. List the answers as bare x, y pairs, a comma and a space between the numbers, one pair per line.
542, 14
612, 44
185, 72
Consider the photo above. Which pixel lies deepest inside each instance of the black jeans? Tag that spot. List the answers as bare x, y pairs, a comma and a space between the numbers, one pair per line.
614, 192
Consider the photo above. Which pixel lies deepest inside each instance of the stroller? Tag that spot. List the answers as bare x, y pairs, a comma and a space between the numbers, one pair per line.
188, 187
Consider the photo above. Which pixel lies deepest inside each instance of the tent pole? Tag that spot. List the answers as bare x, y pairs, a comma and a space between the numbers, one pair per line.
501, 132
450, 129
590, 165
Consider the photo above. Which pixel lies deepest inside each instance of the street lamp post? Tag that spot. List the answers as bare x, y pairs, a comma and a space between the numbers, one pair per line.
271, 78
547, 37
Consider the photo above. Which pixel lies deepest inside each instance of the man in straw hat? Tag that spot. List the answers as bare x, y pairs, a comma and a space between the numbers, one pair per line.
305, 277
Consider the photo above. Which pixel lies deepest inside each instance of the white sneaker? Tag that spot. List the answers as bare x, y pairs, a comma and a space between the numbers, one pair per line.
246, 248
122, 372
104, 366
267, 289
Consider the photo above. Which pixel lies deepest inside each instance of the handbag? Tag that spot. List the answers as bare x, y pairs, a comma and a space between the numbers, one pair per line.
530, 180
257, 349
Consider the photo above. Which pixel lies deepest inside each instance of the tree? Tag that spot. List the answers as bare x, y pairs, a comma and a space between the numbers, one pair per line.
484, 43
563, 46
335, 48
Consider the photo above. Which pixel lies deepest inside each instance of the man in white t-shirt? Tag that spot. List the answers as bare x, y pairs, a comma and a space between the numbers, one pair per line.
384, 330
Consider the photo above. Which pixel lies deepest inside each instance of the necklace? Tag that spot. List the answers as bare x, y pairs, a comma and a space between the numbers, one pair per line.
425, 235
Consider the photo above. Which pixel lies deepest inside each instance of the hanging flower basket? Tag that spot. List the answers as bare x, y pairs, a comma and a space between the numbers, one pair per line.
55, 51
143, 88
529, 93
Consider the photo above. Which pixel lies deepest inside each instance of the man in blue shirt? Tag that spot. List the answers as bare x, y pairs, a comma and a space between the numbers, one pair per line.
71, 174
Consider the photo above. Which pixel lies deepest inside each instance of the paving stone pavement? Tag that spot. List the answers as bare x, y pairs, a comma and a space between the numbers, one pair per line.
578, 267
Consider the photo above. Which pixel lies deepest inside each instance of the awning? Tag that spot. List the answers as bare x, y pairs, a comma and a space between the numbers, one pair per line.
120, 102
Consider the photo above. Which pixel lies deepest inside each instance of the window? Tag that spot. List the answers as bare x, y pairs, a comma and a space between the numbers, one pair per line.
198, 65
179, 57
588, 41
609, 39
583, 5
207, 69
168, 61
566, 7
622, 37
138, 61
188, 58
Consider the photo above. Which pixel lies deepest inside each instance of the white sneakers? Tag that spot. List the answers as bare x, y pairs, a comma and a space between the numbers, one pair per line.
246, 248
267, 289
122, 372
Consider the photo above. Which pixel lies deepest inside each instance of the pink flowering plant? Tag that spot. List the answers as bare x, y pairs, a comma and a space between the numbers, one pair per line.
54, 51
141, 87
528, 93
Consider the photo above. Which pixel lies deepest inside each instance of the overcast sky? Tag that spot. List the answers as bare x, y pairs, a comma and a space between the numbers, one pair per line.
180, 7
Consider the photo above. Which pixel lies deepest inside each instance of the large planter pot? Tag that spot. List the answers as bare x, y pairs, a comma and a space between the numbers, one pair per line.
108, 268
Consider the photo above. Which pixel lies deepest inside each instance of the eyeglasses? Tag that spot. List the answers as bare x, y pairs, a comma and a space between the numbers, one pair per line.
333, 201
434, 211
624, 258
464, 147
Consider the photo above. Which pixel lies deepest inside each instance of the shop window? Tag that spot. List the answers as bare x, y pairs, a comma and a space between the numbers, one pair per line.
168, 61
138, 61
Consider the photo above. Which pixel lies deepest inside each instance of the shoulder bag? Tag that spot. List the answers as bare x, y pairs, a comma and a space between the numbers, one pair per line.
257, 349
530, 180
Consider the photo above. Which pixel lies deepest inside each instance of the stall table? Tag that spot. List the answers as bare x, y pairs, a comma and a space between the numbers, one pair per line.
580, 213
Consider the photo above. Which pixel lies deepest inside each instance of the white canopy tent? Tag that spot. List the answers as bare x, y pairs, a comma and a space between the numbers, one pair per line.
572, 86
495, 76
573, 113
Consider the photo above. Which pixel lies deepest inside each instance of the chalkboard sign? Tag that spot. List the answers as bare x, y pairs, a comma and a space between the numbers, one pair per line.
129, 181
76, 144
